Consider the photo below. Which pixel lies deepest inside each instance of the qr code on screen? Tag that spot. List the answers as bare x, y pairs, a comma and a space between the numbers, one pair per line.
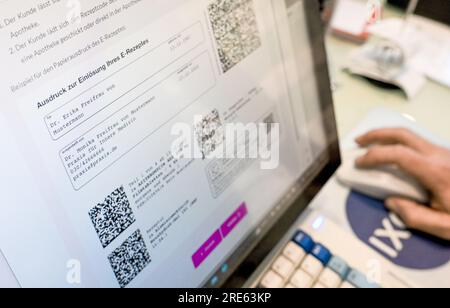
235, 29
209, 133
131, 258
111, 217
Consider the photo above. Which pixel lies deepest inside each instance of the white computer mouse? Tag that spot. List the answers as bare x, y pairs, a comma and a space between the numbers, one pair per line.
380, 183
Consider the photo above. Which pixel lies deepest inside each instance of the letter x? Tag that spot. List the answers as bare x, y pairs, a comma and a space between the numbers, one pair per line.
394, 235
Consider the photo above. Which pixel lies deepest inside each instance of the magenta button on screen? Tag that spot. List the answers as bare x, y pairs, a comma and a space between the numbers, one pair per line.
234, 220
206, 249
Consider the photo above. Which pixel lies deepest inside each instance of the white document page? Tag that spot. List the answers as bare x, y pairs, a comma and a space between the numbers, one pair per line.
426, 44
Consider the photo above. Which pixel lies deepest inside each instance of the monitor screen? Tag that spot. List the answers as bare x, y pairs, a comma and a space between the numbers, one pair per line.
155, 143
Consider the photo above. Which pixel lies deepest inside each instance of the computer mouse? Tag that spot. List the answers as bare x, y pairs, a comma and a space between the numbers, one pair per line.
381, 182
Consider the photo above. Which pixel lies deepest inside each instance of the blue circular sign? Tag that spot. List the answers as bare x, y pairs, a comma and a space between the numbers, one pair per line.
385, 233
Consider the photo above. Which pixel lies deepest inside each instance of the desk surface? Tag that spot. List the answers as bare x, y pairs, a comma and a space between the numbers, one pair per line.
354, 97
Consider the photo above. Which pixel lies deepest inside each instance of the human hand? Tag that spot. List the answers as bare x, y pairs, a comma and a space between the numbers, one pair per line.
428, 163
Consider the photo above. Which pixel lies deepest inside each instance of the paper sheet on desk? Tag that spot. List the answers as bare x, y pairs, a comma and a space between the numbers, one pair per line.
362, 63
441, 74
426, 43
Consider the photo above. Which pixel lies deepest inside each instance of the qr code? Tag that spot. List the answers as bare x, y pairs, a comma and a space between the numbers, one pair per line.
209, 133
235, 29
131, 258
112, 216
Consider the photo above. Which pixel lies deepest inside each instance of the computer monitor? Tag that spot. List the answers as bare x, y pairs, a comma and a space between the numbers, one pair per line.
166, 143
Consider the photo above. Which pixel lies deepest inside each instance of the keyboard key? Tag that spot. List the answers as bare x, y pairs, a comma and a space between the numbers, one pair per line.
302, 280
294, 253
318, 285
271, 281
346, 285
330, 279
304, 241
312, 266
339, 266
321, 253
283, 267
359, 280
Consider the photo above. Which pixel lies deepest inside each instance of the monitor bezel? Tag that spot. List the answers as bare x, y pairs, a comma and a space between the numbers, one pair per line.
254, 257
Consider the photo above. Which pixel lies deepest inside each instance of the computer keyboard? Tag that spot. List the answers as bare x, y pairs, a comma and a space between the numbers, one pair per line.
306, 264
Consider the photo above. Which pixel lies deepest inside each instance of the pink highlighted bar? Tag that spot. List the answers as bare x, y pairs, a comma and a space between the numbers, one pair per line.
206, 249
234, 220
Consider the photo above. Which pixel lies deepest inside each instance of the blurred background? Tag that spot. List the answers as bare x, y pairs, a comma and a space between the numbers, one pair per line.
394, 54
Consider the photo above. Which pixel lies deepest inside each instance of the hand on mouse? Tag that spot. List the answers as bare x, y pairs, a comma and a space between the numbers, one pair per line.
428, 163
